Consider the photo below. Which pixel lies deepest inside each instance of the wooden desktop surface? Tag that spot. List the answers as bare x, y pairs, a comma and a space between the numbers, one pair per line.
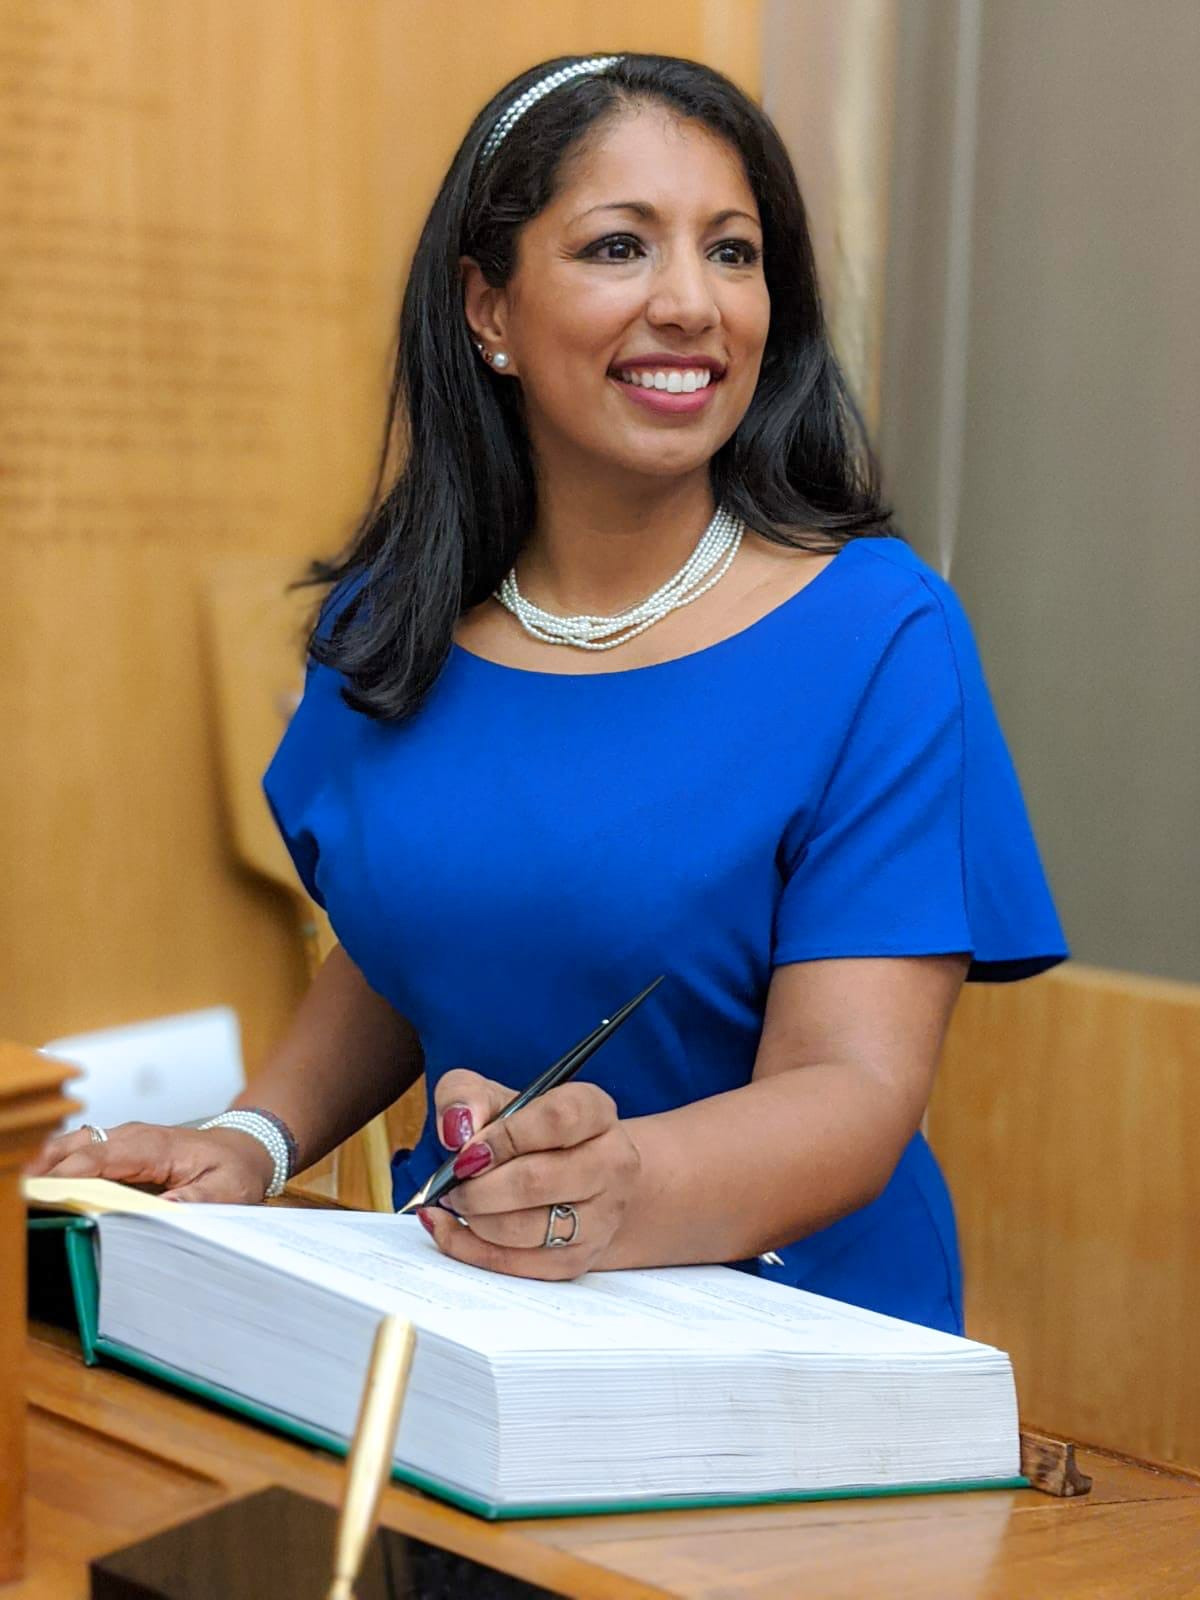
113, 1459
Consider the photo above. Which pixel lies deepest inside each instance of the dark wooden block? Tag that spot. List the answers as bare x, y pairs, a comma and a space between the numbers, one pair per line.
1050, 1465
277, 1545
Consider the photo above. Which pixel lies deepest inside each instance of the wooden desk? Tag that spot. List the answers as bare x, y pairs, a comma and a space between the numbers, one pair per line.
112, 1459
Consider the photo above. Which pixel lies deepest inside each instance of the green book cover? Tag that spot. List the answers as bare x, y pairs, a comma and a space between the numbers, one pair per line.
78, 1256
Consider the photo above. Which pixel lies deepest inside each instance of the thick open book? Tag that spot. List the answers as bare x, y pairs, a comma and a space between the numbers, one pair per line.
623, 1390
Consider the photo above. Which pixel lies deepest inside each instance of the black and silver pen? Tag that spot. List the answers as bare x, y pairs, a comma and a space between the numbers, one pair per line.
443, 1180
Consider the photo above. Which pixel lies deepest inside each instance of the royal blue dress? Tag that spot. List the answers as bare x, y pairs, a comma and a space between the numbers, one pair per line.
531, 849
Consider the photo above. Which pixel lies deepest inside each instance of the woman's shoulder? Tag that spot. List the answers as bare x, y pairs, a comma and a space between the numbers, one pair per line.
899, 589
891, 566
878, 569
877, 621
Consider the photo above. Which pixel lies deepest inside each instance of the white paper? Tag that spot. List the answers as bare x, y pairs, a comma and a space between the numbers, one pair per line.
170, 1070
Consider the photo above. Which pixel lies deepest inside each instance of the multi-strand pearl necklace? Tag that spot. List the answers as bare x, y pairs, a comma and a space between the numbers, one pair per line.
718, 543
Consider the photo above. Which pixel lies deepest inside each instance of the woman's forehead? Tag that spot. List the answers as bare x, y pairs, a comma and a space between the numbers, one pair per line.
652, 156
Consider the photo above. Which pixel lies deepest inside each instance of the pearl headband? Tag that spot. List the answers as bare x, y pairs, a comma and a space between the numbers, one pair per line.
592, 67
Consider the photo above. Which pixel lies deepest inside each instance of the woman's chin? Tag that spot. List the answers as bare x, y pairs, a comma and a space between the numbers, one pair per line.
657, 465
658, 455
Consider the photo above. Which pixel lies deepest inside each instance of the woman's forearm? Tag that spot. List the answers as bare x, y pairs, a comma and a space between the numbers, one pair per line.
346, 1056
728, 1177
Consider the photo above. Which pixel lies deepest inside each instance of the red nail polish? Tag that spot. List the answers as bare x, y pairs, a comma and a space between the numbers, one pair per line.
457, 1127
472, 1160
426, 1221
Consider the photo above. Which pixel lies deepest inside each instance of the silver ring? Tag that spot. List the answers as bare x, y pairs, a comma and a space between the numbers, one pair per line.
563, 1213
98, 1134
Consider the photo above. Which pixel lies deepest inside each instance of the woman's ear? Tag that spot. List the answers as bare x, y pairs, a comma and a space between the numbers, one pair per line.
483, 306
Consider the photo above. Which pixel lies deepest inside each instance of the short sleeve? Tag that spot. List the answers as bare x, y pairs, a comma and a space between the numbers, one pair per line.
921, 843
288, 784
300, 768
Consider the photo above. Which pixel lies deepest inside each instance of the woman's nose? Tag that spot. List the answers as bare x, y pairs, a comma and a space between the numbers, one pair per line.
682, 294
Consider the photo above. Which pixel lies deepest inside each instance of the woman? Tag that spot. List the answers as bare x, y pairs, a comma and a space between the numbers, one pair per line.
628, 674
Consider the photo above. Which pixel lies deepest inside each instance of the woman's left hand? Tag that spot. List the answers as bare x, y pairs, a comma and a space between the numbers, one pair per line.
567, 1149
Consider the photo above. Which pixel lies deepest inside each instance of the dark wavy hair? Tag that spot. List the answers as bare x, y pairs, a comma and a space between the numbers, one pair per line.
799, 469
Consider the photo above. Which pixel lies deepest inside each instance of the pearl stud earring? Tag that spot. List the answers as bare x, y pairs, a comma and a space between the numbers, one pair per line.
499, 359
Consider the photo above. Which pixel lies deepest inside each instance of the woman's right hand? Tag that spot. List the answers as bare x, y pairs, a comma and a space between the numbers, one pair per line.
215, 1165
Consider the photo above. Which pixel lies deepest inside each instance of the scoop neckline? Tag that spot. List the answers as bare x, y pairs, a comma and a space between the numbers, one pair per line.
672, 661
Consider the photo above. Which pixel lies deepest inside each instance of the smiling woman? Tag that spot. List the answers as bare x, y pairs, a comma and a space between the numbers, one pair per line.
606, 218
625, 440
594, 319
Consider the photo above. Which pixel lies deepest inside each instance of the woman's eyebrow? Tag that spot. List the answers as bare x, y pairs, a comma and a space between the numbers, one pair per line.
642, 209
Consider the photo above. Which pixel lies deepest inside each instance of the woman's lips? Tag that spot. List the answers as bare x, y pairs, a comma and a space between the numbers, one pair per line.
662, 401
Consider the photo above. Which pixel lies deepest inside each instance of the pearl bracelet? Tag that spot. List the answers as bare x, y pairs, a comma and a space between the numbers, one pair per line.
263, 1128
293, 1153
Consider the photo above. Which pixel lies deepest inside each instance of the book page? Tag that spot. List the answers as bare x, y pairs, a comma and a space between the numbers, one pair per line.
389, 1263
91, 1197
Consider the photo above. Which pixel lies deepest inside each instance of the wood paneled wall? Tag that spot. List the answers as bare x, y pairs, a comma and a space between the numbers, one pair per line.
207, 211
1067, 1119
